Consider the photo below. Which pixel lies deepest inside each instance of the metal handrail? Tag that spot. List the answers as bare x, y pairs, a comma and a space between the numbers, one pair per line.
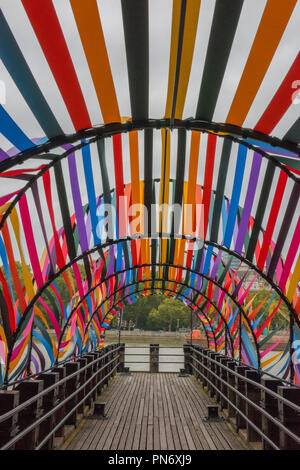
252, 382
62, 403
246, 399
47, 390
36, 423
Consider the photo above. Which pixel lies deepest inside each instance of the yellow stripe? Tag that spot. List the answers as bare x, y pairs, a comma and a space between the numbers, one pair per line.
189, 36
294, 281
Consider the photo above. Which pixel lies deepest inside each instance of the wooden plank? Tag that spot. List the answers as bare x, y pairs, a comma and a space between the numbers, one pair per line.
115, 429
154, 412
124, 423
161, 421
224, 439
190, 417
106, 425
82, 439
180, 400
198, 431
169, 434
129, 417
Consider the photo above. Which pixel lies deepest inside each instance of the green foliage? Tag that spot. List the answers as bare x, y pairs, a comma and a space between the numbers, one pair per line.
156, 312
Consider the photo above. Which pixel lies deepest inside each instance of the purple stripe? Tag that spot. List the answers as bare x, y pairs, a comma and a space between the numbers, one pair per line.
216, 265
256, 163
3, 155
77, 200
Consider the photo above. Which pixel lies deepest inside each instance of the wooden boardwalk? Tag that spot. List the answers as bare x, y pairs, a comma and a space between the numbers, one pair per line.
154, 412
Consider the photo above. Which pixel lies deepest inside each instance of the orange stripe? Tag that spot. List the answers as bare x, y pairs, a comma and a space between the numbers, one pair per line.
271, 28
90, 29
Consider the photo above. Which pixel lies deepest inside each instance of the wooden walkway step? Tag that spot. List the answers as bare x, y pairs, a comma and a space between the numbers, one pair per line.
154, 412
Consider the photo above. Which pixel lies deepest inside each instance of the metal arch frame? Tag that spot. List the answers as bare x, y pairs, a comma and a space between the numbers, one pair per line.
193, 311
189, 125
130, 284
35, 299
109, 243
241, 310
113, 242
223, 248
60, 157
143, 281
106, 244
107, 130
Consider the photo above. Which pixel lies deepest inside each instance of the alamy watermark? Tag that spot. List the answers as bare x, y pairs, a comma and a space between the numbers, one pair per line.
296, 94
2, 92
159, 221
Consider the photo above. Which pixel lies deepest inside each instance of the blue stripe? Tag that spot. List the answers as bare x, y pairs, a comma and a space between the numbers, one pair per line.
236, 192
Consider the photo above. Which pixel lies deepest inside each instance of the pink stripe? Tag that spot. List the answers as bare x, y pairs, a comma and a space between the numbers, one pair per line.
290, 257
25, 216
6, 198
263, 353
26, 336
52, 317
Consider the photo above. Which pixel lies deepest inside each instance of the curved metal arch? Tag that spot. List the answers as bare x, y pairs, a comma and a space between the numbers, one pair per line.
223, 248
108, 130
172, 297
163, 288
46, 147
126, 286
241, 310
68, 265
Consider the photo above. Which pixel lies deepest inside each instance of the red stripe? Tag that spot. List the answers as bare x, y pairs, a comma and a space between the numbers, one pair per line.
10, 308
117, 146
208, 177
272, 219
281, 100
47, 29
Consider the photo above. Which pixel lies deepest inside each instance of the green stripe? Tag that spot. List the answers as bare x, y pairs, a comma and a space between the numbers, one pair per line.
224, 24
136, 31
64, 207
227, 145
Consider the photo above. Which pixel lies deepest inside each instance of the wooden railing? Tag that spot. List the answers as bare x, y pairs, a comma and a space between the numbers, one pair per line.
263, 409
36, 412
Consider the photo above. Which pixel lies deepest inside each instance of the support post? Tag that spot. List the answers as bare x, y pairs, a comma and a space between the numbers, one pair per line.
28, 389
253, 393
223, 386
187, 358
230, 392
61, 370
212, 366
240, 385
204, 370
154, 358
50, 400
121, 358
71, 386
9, 399
289, 417
82, 379
270, 404
89, 358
